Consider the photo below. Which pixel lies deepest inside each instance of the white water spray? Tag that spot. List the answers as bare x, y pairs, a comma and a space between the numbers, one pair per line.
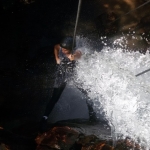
109, 77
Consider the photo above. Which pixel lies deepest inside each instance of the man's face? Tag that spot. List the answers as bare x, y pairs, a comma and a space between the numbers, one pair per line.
65, 51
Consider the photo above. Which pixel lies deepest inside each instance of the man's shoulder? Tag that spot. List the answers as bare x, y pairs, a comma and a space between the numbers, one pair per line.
57, 46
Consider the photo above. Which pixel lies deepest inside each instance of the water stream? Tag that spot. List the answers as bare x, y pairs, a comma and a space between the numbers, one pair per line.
123, 99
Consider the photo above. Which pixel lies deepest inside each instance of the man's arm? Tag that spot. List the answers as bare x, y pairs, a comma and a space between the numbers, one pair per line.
77, 55
56, 53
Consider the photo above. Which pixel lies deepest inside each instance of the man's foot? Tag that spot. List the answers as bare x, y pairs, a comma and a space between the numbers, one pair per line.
92, 117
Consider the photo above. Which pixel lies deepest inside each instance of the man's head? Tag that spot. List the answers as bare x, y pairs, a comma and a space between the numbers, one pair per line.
67, 43
66, 51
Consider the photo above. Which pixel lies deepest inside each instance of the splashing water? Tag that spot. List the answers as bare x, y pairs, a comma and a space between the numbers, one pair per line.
109, 77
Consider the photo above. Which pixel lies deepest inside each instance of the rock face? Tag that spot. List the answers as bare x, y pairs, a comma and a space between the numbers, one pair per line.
57, 138
131, 42
3, 147
67, 138
12, 141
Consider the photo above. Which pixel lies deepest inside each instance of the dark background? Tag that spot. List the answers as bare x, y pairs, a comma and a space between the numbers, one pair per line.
29, 30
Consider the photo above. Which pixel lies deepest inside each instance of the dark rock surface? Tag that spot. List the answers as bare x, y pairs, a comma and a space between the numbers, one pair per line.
67, 135
80, 134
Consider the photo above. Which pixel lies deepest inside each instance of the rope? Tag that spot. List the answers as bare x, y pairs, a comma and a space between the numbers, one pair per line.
142, 72
78, 11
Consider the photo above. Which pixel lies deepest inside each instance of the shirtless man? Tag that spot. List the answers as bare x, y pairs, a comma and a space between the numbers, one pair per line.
65, 61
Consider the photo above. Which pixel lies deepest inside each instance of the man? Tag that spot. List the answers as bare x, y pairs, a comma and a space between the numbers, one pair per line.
65, 61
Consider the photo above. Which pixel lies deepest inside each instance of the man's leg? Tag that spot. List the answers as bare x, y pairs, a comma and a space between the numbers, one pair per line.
92, 114
54, 99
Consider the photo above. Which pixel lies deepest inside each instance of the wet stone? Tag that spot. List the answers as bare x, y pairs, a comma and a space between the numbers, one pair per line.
3, 147
67, 138
57, 138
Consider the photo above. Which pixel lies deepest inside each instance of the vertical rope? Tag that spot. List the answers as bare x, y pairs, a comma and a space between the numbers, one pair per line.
78, 12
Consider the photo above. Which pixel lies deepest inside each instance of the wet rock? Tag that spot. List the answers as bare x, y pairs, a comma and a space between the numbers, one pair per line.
57, 138
67, 138
11, 141
127, 144
27, 1
106, 24
63, 137
131, 42
4, 147
92, 142
74, 137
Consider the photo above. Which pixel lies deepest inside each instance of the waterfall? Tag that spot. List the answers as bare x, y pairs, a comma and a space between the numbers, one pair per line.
109, 76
